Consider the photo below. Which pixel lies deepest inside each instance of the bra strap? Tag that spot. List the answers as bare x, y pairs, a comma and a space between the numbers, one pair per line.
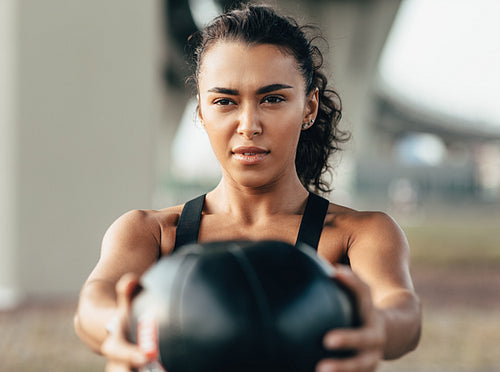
313, 220
188, 226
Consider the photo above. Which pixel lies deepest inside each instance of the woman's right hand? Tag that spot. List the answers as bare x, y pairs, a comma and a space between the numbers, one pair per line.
122, 355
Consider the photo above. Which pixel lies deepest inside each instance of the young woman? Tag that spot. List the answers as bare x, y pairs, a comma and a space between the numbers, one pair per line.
272, 123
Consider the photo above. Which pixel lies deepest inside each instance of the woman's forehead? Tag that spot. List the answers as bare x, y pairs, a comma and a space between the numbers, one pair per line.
237, 62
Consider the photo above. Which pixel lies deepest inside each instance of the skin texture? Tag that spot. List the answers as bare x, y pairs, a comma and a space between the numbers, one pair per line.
252, 103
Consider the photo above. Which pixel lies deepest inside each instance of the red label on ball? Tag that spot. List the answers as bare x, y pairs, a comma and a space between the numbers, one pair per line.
147, 335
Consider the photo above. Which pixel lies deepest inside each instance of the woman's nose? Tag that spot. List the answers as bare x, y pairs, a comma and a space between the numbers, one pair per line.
249, 124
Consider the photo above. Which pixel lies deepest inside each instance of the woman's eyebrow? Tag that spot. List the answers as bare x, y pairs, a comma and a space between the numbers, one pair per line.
272, 88
232, 92
263, 90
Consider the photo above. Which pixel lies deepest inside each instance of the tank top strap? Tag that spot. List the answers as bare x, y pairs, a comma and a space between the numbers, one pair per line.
188, 226
313, 219
310, 228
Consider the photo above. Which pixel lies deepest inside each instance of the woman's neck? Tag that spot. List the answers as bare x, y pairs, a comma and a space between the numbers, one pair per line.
252, 204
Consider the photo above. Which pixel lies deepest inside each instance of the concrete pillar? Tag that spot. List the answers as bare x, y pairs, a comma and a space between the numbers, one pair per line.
9, 280
79, 116
356, 33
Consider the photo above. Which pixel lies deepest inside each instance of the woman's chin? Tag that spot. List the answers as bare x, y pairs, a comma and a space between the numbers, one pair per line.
253, 180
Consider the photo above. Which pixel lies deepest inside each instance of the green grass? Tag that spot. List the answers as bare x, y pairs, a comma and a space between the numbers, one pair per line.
454, 244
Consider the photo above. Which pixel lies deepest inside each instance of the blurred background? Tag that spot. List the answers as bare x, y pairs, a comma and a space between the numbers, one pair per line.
95, 120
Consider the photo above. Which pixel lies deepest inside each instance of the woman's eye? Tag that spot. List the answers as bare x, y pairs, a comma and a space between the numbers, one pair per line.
273, 99
223, 101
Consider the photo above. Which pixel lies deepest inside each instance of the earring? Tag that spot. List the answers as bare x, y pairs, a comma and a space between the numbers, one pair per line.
307, 125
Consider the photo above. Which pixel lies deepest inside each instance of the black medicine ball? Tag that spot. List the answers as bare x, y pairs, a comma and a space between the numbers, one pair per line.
240, 306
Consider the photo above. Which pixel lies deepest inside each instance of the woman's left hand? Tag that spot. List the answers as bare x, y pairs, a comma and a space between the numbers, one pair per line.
367, 341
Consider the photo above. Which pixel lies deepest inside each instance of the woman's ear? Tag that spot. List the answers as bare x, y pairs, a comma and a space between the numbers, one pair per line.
312, 105
200, 117
198, 111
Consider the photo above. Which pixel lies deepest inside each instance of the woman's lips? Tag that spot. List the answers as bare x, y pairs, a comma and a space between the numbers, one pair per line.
249, 155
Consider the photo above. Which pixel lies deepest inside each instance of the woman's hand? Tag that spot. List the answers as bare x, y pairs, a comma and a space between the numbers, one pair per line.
367, 341
122, 355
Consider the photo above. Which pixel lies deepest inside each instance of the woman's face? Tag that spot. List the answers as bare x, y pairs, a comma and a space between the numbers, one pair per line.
252, 103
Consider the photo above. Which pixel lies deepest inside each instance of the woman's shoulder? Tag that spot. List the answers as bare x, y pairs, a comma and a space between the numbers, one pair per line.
147, 221
350, 215
144, 228
363, 224
144, 217
348, 232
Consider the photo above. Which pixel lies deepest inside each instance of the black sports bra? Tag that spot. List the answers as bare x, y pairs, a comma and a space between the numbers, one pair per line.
310, 229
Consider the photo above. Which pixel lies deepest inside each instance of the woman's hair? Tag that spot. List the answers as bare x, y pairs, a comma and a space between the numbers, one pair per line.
258, 24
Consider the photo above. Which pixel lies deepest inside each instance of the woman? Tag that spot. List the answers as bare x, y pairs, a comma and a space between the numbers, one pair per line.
272, 124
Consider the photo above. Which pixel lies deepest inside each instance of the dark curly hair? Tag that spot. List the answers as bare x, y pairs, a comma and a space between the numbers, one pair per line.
260, 24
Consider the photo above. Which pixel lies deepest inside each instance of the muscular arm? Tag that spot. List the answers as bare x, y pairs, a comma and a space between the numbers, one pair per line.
379, 255
129, 246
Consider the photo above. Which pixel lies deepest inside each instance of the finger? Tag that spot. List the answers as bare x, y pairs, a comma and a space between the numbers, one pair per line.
347, 277
359, 289
353, 339
117, 367
125, 287
366, 362
119, 351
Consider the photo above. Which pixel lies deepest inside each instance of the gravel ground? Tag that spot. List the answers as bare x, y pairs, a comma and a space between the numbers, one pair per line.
461, 328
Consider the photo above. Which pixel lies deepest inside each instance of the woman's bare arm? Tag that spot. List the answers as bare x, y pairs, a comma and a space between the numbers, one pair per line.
380, 256
130, 245
388, 305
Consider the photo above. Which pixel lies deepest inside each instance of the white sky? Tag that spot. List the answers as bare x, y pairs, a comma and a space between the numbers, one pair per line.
444, 56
